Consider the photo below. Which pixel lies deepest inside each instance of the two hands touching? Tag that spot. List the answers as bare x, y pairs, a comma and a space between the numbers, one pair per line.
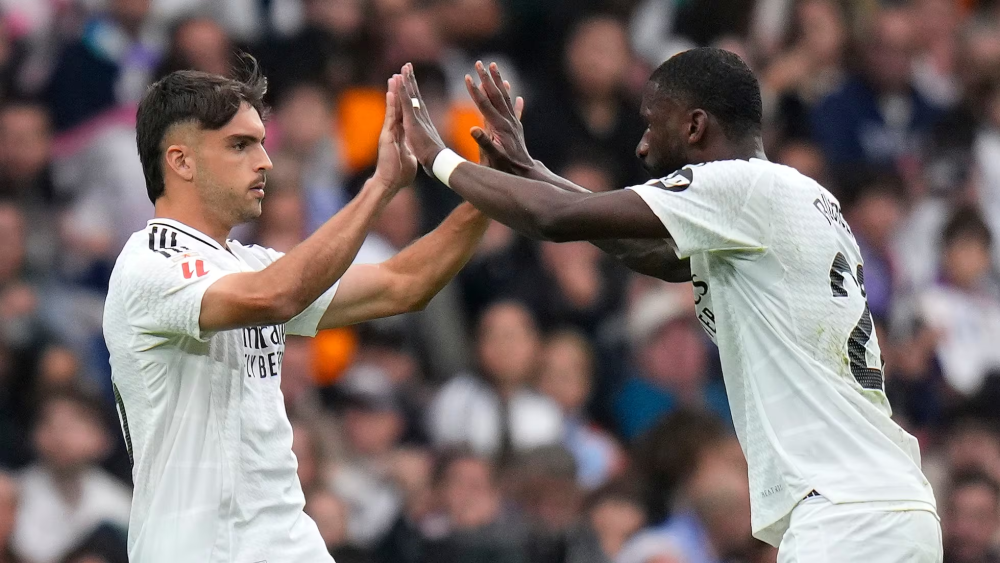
409, 136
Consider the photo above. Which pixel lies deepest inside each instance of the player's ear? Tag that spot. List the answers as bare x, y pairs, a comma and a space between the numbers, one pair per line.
180, 160
697, 123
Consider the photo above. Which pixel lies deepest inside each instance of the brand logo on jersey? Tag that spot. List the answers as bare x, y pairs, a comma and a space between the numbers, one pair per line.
198, 271
263, 348
676, 182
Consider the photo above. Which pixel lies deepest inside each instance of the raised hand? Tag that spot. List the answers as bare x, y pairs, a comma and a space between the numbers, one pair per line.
421, 135
501, 144
396, 166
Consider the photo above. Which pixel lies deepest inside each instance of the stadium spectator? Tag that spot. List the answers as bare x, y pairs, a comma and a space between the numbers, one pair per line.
594, 110
615, 513
474, 525
877, 117
65, 495
970, 519
198, 43
567, 375
670, 357
110, 64
332, 515
964, 308
498, 412
373, 425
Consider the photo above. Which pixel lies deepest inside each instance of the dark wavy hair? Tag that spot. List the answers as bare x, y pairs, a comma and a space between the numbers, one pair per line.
188, 96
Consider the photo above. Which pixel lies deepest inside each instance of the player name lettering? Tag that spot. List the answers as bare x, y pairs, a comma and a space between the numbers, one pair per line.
831, 212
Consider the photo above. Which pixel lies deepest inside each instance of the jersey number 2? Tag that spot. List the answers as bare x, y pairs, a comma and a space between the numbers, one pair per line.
857, 342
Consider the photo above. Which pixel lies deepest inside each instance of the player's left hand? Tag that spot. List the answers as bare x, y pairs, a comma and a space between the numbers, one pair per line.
421, 135
396, 166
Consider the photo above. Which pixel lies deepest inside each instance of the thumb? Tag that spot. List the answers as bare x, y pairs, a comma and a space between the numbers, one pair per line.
485, 142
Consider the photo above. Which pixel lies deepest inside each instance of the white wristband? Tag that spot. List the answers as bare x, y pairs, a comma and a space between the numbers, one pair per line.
445, 163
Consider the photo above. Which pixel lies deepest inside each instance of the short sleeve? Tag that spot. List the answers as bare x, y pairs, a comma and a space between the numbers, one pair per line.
305, 323
165, 294
708, 207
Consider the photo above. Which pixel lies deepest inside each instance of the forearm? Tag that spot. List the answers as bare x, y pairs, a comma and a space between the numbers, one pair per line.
651, 257
522, 204
314, 265
432, 261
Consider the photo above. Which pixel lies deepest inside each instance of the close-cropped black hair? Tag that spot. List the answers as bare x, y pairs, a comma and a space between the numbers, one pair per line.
717, 81
188, 96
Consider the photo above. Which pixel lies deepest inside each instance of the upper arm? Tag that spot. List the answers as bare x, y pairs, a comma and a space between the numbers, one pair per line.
719, 206
610, 215
242, 299
366, 292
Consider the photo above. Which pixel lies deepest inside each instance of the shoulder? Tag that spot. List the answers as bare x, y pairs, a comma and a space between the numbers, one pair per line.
261, 253
715, 173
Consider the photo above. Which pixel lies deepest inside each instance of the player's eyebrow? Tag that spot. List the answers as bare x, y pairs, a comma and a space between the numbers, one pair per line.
250, 139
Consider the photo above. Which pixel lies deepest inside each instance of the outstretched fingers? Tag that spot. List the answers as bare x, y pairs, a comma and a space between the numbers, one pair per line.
501, 85
490, 89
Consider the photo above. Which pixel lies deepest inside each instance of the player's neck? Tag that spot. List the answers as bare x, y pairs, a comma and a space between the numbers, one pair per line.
195, 215
751, 147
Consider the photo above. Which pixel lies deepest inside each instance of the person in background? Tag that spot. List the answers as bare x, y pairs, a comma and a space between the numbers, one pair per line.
877, 117
198, 43
332, 515
567, 377
473, 525
65, 495
498, 412
615, 512
670, 356
971, 518
964, 307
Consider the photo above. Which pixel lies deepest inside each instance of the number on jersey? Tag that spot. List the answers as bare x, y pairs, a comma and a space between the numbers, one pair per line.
860, 340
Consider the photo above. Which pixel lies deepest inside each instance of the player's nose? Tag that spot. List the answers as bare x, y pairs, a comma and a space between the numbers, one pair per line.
265, 162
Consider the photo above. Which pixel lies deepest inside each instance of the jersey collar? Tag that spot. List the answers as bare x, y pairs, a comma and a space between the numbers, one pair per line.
187, 230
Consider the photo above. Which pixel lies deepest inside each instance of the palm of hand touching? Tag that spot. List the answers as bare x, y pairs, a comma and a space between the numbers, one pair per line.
501, 144
421, 134
396, 165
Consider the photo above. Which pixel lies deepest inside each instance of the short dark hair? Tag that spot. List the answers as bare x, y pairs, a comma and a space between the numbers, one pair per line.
717, 81
967, 222
188, 96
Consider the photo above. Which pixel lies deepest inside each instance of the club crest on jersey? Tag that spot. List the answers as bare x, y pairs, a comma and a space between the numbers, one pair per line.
197, 270
676, 182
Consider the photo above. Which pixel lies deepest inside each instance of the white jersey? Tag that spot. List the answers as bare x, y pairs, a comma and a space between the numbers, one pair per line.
779, 286
202, 413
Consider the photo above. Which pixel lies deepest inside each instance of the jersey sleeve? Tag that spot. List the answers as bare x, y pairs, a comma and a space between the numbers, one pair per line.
305, 323
165, 294
710, 207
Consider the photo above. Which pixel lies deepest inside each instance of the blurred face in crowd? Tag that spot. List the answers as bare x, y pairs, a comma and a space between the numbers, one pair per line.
469, 493
330, 514
204, 46
69, 437
14, 236
970, 523
974, 447
720, 494
340, 17
227, 166
8, 508
25, 141
804, 157
566, 372
674, 357
282, 222
130, 13
591, 176
615, 520
967, 261
823, 32
890, 51
876, 217
305, 118
597, 57
372, 430
399, 222
508, 344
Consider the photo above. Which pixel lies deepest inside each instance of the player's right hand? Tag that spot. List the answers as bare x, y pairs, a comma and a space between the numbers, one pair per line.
396, 167
501, 144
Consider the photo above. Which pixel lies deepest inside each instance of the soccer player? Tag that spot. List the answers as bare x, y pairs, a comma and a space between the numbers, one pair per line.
196, 322
778, 284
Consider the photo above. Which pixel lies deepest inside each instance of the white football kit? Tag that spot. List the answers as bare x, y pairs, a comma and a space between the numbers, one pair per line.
202, 413
779, 286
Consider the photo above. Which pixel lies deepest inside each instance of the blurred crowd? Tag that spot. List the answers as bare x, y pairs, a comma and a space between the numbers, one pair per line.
548, 406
